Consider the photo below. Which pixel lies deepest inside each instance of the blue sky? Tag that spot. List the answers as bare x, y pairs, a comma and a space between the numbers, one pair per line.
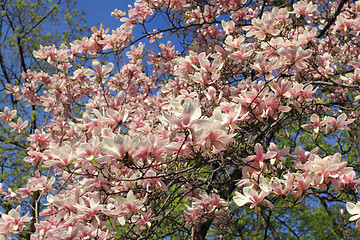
99, 11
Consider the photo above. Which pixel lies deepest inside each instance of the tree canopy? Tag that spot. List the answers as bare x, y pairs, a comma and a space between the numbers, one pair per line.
24, 26
224, 119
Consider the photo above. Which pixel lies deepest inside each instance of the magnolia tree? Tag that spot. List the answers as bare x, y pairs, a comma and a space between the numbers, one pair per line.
232, 127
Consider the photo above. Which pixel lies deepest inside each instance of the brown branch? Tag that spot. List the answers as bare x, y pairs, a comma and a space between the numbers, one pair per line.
332, 19
202, 229
41, 20
269, 225
336, 227
16, 143
35, 211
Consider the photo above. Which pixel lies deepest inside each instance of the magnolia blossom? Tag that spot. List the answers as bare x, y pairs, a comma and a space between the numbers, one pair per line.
118, 146
190, 117
8, 115
260, 28
304, 8
12, 222
354, 209
100, 71
171, 129
276, 184
14, 90
316, 124
340, 123
18, 126
295, 55
250, 195
260, 156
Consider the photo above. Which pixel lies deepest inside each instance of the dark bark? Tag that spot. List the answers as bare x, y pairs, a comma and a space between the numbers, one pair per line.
201, 229
332, 19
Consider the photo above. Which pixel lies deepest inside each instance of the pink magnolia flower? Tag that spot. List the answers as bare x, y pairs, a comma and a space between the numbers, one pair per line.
192, 215
207, 72
190, 190
116, 117
351, 78
234, 43
216, 139
118, 146
205, 79
295, 55
18, 126
260, 156
90, 207
307, 36
265, 67
128, 206
68, 233
327, 168
14, 90
230, 118
303, 183
241, 54
131, 20
300, 93
135, 53
281, 15
150, 180
260, 28
7, 115
144, 220
37, 183
99, 33
354, 209
276, 184
211, 94
229, 27
346, 180
12, 222
250, 195
66, 202
204, 205
279, 154
117, 13
100, 71
61, 156
155, 36
315, 125
340, 123
304, 8
12, 196
88, 149
345, 24
190, 117
302, 155
210, 67
280, 87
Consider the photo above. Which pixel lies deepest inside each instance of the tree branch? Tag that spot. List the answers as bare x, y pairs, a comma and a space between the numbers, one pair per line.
332, 19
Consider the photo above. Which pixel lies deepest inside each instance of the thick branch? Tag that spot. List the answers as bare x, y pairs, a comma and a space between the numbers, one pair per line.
202, 229
332, 19
35, 211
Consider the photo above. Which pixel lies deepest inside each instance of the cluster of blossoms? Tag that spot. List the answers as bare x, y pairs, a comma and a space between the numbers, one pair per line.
128, 149
203, 207
314, 173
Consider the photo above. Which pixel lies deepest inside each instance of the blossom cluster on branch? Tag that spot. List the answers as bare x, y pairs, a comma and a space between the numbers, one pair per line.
184, 137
